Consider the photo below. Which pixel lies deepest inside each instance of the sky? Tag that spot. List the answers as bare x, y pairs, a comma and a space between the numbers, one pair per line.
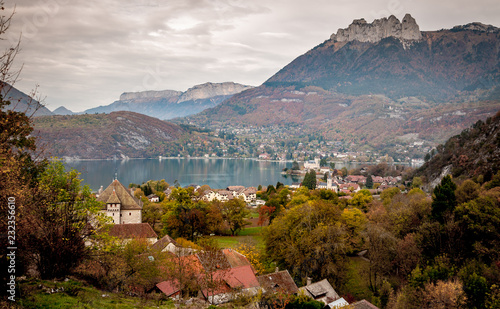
85, 53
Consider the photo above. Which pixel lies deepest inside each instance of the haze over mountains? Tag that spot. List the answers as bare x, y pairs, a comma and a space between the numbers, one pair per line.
168, 104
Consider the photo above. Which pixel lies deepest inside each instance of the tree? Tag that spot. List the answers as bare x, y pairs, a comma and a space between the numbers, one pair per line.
416, 182
444, 200
295, 166
361, 199
59, 219
369, 182
309, 241
323, 162
310, 180
235, 213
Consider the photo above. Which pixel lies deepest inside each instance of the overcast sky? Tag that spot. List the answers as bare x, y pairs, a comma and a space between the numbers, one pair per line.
85, 53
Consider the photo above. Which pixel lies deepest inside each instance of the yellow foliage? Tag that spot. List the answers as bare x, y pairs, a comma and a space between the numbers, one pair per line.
184, 243
253, 255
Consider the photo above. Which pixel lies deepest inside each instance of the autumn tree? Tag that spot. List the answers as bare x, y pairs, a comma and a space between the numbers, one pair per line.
235, 213
61, 217
309, 240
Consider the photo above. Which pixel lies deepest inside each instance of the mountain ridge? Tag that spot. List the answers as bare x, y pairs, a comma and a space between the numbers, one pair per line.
169, 104
372, 93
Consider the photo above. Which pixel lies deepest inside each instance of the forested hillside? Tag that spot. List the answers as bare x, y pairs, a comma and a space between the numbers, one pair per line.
474, 153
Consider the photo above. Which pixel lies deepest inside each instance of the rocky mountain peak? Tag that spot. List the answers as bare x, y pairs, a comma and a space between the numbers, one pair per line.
208, 90
149, 94
360, 30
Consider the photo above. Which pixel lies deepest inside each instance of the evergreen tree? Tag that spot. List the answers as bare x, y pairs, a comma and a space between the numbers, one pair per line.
369, 182
310, 180
444, 200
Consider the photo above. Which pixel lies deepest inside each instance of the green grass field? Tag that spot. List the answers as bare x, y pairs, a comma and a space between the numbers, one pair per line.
74, 294
252, 235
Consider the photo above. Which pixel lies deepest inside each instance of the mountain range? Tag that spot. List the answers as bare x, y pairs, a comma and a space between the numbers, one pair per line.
377, 83
372, 85
168, 104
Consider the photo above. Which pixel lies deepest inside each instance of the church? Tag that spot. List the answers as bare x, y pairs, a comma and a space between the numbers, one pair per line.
120, 205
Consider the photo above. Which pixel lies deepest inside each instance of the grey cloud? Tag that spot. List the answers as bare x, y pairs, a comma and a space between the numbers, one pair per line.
85, 53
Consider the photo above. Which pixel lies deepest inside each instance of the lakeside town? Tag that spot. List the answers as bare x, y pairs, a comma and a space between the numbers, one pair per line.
228, 275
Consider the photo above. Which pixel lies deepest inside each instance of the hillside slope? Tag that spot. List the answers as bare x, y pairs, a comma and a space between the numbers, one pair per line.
474, 152
107, 136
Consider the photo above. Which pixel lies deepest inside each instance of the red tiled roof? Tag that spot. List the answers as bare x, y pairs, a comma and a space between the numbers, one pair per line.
132, 230
235, 258
241, 277
169, 287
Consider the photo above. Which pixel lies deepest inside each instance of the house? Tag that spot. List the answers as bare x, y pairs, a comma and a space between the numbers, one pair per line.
220, 274
294, 185
363, 304
321, 291
359, 179
278, 282
120, 204
249, 195
235, 189
191, 267
349, 188
153, 198
127, 232
229, 283
209, 195
167, 192
224, 195
337, 304
168, 244
264, 156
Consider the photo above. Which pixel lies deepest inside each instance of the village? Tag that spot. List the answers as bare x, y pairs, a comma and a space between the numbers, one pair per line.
224, 275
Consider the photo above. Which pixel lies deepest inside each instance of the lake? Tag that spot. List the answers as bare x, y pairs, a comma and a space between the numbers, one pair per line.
217, 173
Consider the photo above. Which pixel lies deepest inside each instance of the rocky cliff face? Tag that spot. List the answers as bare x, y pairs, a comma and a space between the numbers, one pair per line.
169, 104
209, 90
362, 31
149, 94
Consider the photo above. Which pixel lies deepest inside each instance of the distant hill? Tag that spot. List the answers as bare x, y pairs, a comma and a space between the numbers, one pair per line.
107, 136
21, 102
61, 110
168, 104
474, 152
376, 84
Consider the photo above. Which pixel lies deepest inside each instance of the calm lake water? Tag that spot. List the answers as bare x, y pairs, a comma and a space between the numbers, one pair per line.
217, 173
